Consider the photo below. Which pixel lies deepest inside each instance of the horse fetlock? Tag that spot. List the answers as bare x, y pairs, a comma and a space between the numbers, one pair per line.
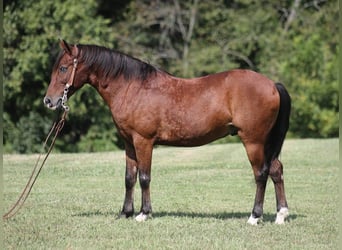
282, 214
253, 220
143, 217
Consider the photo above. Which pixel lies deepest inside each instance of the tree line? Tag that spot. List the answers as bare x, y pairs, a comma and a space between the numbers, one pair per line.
291, 41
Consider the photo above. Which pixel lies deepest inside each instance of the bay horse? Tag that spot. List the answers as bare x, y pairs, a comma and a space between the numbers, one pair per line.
152, 107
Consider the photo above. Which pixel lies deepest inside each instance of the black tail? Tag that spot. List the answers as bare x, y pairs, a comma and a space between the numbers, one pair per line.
277, 135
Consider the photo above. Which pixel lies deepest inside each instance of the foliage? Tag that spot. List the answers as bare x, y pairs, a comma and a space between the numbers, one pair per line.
292, 41
31, 32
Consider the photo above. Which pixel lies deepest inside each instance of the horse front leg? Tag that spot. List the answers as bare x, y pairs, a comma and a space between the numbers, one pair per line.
144, 156
146, 208
130, 180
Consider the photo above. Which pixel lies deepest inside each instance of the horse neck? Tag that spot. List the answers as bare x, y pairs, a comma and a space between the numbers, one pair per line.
106, 87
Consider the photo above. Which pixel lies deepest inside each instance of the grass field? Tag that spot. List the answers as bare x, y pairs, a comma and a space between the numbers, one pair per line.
201, 198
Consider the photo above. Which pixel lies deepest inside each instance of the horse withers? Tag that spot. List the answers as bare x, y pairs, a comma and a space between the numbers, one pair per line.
150, 106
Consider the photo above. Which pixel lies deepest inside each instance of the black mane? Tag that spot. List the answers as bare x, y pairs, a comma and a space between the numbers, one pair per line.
112, 64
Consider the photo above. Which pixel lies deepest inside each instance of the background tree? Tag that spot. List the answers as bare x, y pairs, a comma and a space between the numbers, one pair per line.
31, 32
291, 41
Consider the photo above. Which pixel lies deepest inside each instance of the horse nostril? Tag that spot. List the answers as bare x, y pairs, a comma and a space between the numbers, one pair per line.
47, 101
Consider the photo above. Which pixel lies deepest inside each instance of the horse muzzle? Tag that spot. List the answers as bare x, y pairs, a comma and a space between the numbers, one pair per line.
52, 103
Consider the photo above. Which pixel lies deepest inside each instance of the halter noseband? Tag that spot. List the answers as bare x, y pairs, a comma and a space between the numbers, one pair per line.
68, 85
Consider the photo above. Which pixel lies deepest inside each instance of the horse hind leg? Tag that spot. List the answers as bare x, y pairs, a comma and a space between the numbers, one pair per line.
276, 174
262, 169
255, 152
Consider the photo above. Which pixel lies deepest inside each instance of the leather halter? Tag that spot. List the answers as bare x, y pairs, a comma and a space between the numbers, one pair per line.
69, 83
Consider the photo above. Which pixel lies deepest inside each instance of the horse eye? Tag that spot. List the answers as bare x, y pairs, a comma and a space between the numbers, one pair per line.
63, 69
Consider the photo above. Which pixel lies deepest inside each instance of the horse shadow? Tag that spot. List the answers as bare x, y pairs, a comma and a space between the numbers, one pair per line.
267, 217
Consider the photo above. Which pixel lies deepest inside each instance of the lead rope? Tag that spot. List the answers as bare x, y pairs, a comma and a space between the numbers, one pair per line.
56, 128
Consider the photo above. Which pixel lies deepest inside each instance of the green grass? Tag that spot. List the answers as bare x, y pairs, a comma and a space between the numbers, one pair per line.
201, 198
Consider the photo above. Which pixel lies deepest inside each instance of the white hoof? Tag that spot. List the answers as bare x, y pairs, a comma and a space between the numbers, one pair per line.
282, 215
141, 217
253, 221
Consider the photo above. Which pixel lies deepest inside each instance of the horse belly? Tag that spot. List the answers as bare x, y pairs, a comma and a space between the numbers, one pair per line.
194, 139
194, 130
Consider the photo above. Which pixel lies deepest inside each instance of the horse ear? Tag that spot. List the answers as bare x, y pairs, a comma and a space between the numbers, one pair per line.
64, 45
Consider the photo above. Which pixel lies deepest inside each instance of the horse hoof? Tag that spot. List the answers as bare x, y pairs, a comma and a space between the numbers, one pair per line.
253, 221
282, 215
142, 217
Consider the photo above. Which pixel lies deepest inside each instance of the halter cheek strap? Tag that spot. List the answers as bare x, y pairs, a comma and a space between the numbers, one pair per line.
68, 85
72, 77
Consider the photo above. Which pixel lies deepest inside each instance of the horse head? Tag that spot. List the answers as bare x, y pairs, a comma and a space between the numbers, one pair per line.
67, 76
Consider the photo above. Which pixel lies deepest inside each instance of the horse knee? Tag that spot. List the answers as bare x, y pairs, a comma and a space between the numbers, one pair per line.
144, 180
276, 171
130, 180
257, 211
